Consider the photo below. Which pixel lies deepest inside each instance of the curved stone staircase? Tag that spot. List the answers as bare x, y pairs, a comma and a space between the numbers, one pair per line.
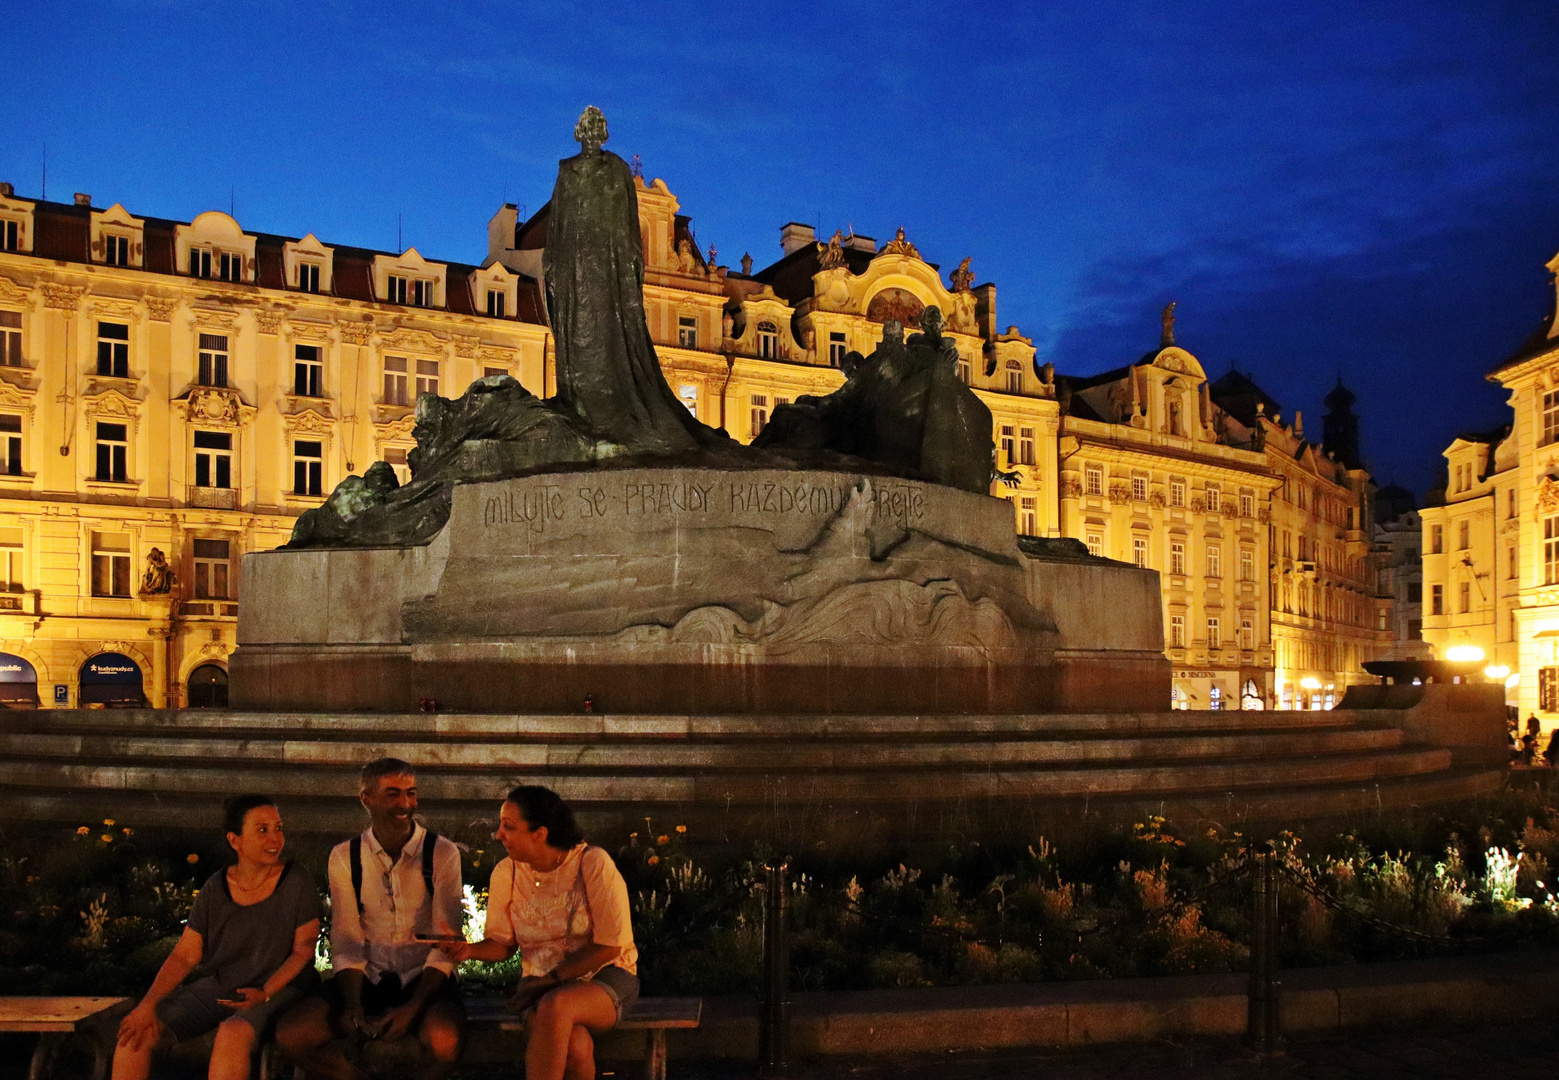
740, 775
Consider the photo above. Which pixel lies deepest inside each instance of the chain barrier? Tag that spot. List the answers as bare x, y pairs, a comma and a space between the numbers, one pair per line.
1310, 886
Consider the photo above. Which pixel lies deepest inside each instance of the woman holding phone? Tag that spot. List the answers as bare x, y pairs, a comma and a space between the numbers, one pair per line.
253, 926
564, 905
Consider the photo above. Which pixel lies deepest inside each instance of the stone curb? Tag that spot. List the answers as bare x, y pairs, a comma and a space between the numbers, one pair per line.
1315, 1001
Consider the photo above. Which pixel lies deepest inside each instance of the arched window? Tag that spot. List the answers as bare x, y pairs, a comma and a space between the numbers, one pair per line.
768, 340
208, 687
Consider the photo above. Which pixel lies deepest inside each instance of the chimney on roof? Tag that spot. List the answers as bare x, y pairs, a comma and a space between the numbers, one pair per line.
794, 236
83, 199
867, 244
7, 190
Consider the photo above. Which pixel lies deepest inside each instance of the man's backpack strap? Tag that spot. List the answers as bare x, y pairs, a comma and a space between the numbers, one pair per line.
355, 855
429, 845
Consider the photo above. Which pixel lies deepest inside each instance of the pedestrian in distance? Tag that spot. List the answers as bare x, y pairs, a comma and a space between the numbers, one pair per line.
252, 929
564, 905
394, 891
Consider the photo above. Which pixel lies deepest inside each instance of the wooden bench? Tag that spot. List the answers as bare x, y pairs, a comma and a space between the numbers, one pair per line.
650, 1015
56, 1019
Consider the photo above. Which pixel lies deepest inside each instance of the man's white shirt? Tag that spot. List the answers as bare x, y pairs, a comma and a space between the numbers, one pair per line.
396, 907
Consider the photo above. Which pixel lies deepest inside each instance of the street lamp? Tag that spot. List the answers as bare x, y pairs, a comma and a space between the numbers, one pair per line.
1496, 672
1464, 653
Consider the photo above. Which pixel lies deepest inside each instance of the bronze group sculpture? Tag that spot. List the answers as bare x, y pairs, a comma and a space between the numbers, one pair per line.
902, 411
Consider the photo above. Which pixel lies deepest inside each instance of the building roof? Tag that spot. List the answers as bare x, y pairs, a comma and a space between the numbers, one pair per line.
1238, 395
1536, 344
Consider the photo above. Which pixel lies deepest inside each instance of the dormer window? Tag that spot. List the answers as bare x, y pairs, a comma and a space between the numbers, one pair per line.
687, 332
10, 235
199, 263
232, 266
116, 250
308, 277
418, 292
768, 340
1014, 378
496, 303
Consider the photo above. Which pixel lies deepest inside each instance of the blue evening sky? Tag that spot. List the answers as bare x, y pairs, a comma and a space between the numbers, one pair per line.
1357, 188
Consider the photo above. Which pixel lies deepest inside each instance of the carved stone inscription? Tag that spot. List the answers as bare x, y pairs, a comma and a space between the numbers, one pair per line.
726, 500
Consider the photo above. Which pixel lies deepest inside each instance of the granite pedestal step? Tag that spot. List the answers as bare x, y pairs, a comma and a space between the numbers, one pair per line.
174, 766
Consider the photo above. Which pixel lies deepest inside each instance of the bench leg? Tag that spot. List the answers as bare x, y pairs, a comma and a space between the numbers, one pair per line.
48, 1048
655, 1065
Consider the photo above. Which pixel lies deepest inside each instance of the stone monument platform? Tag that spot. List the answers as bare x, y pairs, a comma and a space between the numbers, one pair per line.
703, 590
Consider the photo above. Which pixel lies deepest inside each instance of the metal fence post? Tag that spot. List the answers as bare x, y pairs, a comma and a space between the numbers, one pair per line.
1263, 1031
774, 1026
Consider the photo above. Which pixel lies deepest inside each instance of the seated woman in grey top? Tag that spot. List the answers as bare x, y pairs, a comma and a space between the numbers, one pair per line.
253, 928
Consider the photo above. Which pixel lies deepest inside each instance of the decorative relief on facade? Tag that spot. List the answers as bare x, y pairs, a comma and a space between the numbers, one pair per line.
212, 319
496, 355
1157, 500
1231, 509
108, 305
210, 405
112, 404
309, 331
1197, 505
413, 340
356, 333
395, 430
466, 345
62, 297
1071, 488
11, 292
15, 397
1120, 494
308, 422
893, 303
160, 308
1547, 495
269, 322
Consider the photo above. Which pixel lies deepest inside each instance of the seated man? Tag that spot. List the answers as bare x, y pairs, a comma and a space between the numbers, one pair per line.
393, 890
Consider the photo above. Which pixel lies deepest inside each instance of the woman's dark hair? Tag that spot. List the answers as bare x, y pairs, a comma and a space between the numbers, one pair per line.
542, 806
237, 807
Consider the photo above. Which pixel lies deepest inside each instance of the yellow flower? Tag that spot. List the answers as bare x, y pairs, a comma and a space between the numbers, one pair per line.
83, 831
663, 839
108, 821
681, 828
654, 859
192, 859
107, 839
125, 830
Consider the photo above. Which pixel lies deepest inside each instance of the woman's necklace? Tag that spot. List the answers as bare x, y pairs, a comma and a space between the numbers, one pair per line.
235, 881
551, 869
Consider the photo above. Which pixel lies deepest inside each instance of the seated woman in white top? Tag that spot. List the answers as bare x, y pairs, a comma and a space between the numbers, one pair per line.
564, 905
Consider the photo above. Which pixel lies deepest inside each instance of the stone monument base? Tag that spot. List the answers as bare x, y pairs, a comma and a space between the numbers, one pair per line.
701, 591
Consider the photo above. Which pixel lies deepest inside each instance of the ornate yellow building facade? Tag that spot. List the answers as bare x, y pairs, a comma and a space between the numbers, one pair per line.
173, 394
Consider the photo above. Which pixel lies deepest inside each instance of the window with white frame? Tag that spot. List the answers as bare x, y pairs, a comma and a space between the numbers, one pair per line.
213, 459
759, 405
1466, 597
395, 458
1177, 493
213, 570
1026, 445
1247, 504
11, 338
1095, 543
1093, 479
688, 395
308, 371
113, 453
113, 350
11, 444
836, 349
1028, 517
1177, 631
395, 381
1464, 535
395, 289
687, 331
497, 303
308, 276
1212, 499
1177, 557
1139, 551
1214, 634
199, 263
1009, 445
1550, 417
1247, 564
308, 467
768, 340
212, 360
10, 235
1214, 560
1247, 634
1014, 381
1437, 540
11, 560
1437, 592
1139, 488
231, 266
965, 372
116, 249
110, 564
427, 377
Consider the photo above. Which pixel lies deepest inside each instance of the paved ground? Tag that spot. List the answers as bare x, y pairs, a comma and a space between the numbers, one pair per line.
1512, 1052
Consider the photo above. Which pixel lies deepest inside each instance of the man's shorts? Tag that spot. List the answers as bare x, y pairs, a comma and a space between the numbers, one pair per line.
193, 1010
388, 993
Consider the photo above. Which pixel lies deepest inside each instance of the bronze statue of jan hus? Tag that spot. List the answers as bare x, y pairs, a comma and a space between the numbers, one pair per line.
902, 410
